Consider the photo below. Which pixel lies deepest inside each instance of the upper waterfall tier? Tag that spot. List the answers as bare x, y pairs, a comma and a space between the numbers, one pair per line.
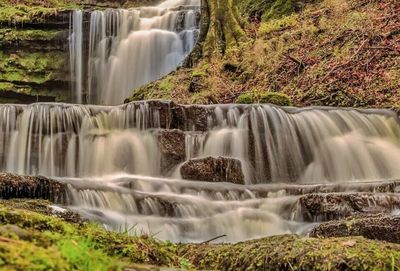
273, 144
125, 49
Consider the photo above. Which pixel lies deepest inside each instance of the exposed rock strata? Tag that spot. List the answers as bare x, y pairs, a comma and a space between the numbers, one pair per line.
210, 169
376, 226
332, 206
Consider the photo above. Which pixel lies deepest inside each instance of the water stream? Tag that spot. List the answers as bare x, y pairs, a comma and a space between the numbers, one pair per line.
127, 48
111, 157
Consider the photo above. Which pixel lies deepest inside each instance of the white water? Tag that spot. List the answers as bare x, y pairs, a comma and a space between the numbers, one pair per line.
128, 48
111, 158
75, 54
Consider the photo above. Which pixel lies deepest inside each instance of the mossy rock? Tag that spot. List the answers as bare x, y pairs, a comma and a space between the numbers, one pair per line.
245, 98
276, 98
291, 252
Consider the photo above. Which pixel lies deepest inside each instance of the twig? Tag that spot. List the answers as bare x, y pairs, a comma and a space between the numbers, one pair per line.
213, 239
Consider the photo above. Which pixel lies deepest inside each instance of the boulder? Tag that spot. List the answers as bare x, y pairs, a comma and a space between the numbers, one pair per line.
213, 169
382, 227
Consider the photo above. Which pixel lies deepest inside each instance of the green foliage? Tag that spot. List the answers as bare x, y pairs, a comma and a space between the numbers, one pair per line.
276, 98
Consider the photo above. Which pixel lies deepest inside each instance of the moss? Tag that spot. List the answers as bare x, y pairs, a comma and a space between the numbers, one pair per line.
224, 31
277, 24
266, 10
275, 98
9, 35
43, 241
198, 74
290, 252
245, 98
278, 9
21, 255
17, 14
4, 86
83, 246
36, 67
166, 86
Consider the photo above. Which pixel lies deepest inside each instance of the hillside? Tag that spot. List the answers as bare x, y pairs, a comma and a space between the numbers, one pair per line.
328, 52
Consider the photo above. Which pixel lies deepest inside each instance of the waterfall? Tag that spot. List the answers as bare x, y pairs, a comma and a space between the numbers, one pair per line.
111, 158
75, 54
128, 48
274, 144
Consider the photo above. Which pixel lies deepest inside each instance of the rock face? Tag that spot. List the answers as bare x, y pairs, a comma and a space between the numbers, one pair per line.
376, 226
17, 186
332, 206
211, 169
172, 148
34, 55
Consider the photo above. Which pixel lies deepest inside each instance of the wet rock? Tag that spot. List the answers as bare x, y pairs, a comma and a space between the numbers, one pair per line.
333, 206
172, 147
211, 169
376, 226
37, 187
193, 117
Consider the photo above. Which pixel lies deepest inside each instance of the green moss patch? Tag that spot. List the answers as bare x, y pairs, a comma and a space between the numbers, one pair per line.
245, 98
275, 98
33, 237
27, 67
290, 252
76, 246
10, 35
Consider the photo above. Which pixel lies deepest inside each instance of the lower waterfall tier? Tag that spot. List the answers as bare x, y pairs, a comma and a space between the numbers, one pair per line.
265, 143
191, 173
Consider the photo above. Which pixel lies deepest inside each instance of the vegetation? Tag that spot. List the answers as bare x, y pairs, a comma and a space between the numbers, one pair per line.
291, 252
35, 237
325, 52
264, 98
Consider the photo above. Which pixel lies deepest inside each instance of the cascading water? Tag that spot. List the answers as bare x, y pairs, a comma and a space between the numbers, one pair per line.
111, 157
129, 48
